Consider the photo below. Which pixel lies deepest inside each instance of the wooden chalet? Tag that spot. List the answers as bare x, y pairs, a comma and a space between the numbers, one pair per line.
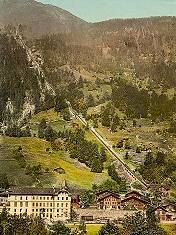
133, 202
163, 214
108, 200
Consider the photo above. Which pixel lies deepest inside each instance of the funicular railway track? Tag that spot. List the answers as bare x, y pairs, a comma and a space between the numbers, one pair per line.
108, 147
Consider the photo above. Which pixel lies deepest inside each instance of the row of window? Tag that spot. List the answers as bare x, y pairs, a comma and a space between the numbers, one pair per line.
47, 215
24, 211
109, 199
41, 198
111, 203
42, 214
21, 204
25, 204
49, 204
48, 210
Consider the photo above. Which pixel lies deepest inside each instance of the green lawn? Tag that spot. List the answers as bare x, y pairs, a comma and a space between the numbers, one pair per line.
92, 229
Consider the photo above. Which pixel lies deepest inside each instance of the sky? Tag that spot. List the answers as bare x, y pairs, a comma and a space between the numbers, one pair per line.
99, 10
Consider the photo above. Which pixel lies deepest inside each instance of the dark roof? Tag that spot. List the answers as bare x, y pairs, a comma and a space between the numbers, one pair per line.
3, 194
133, 197
106, 194
35, 191
161, 208
104, 191
133, 192
170, 204
76, 193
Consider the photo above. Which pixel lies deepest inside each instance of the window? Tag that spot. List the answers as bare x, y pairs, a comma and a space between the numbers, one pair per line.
33, 197
47, 215
50, 210
62, 198
15, 197
40, 204
47, 198
21, 198
67, 198
58, 210
57, 204
44, 204
20, 210
36, 210
21, 204
66, 204
51, 204
47, 204
32, 210
62, 204
26, 204
26, 210
15, 204
43, 198
36, 204
33, 204
58, 198
26, 198
14, 210
40, 198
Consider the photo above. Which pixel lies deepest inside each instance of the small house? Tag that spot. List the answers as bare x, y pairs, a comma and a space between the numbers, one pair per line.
133, 202
108, 200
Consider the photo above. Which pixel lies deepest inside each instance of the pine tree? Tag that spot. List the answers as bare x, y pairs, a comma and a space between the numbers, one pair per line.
97, 166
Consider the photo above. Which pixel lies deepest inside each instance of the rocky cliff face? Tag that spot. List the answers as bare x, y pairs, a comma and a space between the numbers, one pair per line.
23, 87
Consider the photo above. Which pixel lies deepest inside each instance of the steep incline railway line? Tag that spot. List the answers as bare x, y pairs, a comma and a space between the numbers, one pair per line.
108, 147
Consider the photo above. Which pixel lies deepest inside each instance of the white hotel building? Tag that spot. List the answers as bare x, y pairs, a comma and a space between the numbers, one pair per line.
51, 204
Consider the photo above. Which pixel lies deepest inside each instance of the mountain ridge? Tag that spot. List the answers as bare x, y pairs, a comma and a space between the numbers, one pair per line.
38, 17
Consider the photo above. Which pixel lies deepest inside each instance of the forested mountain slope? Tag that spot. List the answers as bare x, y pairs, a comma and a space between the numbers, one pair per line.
38, 18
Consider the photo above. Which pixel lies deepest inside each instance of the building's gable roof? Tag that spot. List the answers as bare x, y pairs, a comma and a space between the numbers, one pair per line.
161, 208
105, 194
134, 198
36, 191
172, 204
133, 192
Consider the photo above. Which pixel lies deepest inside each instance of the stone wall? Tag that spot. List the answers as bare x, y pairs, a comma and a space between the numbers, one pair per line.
102, 214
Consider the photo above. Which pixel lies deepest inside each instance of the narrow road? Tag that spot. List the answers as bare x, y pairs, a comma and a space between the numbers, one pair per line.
108, 147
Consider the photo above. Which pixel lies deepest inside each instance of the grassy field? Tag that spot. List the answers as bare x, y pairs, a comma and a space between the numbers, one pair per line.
169, 228
35, 152
52, 118
92, 229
